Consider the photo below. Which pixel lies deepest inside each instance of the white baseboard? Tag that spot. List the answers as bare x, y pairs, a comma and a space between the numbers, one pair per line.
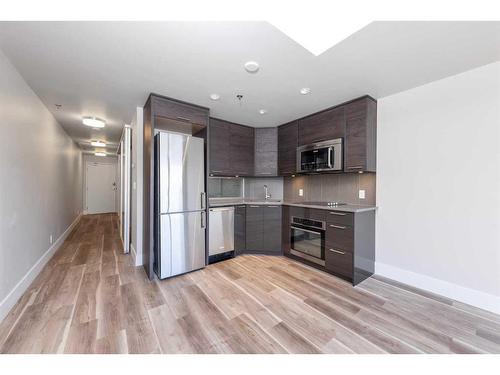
10, 300
444, 288
137, 258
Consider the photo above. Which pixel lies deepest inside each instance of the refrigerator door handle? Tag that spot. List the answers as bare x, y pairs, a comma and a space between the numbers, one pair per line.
203, 200
203, 218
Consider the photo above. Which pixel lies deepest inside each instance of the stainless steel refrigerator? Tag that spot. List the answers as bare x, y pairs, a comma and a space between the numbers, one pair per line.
180, 204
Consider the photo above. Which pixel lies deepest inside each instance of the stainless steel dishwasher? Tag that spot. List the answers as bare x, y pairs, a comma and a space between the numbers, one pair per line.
221, 233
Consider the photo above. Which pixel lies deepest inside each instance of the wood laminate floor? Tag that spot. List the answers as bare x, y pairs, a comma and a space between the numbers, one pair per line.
90, 299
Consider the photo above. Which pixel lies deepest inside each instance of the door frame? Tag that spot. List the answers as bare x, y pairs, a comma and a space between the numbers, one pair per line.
87, 162
125, 165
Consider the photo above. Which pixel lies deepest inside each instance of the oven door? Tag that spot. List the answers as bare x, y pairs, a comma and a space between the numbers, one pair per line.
308, 243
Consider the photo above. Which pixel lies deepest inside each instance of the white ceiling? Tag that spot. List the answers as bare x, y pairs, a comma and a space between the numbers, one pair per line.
106, 69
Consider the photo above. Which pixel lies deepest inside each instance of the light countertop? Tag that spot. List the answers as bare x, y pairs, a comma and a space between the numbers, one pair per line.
225, 202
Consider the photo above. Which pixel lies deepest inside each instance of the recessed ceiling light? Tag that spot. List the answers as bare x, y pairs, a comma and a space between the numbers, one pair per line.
98, 144
214, 96
262, 111
93, 122
305, 90
252, 67
100, 154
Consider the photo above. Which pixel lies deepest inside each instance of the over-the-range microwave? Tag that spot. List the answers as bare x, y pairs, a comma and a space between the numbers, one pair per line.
323, 156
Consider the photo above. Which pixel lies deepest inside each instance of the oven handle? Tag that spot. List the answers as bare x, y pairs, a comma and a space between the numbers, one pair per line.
306, 230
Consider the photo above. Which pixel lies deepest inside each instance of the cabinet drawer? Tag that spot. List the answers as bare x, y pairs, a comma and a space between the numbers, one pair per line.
338, 217
340, 237
308, 213
339, 261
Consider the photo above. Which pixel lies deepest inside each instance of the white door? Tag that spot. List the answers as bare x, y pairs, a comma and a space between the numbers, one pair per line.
101, 188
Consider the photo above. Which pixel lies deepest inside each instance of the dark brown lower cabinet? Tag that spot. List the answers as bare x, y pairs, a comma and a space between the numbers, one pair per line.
240, 213
349, 241
263, 229
272, 230
254, 228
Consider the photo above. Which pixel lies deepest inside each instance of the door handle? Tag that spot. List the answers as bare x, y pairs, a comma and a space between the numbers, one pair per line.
337, 214
203, 219
203, 200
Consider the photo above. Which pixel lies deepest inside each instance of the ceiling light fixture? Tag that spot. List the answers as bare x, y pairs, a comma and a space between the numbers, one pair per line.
98, 144
262, 111
214, 96
252, 66
94, 122
100, 154
305, 90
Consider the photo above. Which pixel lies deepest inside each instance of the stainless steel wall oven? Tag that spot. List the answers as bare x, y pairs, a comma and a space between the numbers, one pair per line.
307, 239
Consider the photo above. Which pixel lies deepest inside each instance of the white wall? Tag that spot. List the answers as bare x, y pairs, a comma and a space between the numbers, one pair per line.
40, 184
89, 158
438, 187
137, 185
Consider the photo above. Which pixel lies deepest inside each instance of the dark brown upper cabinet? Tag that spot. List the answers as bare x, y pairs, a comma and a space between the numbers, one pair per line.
322, 126
242, 149
287, 148
266, 152
361, 135
219, 148
231, 149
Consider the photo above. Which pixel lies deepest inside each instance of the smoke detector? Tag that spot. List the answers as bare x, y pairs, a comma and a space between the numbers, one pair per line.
252, 67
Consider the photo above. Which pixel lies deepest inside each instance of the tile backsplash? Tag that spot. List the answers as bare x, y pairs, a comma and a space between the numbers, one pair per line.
222, 187
254, 187
331, 187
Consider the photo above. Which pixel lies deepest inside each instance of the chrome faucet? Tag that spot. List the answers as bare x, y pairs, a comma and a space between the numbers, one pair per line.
266, 190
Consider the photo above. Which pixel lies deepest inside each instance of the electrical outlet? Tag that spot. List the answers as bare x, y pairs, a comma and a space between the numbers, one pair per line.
51, 239
361, 194
301, 192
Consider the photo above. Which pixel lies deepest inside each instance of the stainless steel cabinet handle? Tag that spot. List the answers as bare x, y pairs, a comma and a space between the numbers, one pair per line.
272, 206
356, 167
255, 206
242, 206
337, 214
213, 170
183, 119
337, 251
337, 226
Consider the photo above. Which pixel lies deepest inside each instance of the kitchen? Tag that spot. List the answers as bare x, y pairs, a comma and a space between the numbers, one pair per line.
268, 203
337, 144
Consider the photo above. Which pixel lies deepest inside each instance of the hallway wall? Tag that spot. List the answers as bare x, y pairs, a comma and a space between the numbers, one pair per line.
40, 184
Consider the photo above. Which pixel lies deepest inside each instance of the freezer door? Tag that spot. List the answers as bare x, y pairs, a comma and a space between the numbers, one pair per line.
182, 243
181, 173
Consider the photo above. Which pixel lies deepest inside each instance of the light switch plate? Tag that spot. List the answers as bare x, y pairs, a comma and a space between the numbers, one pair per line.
361, 194
301, 192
